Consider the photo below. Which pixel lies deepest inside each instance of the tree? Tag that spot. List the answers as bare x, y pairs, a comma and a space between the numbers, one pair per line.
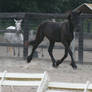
47, 6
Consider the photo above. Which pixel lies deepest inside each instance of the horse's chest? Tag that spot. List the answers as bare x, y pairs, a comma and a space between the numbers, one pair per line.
68, 37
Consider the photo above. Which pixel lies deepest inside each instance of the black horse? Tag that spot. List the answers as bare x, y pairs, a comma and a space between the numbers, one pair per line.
57, 32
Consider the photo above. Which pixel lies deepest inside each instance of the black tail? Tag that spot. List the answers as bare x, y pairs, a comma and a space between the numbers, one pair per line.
39, 37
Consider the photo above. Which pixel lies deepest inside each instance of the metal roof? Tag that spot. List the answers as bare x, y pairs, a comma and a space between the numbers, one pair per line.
84, 8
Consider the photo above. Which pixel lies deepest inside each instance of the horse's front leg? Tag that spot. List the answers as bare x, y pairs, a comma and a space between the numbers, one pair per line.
72, 60
50, 53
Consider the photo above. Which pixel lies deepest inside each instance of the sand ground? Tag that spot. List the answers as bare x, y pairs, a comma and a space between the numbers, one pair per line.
64, 73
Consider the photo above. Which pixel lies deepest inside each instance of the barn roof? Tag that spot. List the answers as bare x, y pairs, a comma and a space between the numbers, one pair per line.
84, 8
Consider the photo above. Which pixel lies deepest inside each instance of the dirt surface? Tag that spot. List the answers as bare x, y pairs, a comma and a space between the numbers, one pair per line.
64, 73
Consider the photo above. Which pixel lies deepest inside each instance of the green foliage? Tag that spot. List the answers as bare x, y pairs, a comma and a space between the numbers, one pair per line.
85, 25
47, 6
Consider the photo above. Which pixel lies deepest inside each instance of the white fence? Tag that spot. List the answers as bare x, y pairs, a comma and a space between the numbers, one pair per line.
41, 81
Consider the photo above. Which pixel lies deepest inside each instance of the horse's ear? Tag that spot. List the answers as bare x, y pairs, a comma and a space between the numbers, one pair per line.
15, 20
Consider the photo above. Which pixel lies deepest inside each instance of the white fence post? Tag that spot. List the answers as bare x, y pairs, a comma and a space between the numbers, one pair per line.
44, 83
2, 79
86, 86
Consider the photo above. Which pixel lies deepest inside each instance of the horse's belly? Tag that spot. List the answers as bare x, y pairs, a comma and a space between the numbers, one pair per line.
52, 34
53, 37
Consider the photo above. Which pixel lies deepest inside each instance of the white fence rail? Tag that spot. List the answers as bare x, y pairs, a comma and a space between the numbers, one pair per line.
41, 81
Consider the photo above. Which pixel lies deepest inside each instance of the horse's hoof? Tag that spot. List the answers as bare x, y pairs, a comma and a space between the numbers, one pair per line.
58, 62
74, 66
28, 59
54, 65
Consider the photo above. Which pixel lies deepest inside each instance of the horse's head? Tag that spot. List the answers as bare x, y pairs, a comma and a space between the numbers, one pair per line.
18, 24
73, 17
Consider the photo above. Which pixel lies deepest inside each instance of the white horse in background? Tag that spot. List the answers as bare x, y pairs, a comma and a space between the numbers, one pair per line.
16, 38
53, 20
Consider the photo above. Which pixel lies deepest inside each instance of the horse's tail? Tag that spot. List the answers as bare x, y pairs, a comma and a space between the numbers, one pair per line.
39, 36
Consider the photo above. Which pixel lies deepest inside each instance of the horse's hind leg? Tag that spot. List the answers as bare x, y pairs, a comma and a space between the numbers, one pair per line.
50, 53
37, 42
72, 63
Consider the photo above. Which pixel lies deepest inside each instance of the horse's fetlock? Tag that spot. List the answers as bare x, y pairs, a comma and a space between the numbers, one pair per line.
29, 58
74, 66
54, 64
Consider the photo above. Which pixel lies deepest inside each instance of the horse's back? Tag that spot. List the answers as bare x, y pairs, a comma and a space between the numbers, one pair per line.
53, 30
